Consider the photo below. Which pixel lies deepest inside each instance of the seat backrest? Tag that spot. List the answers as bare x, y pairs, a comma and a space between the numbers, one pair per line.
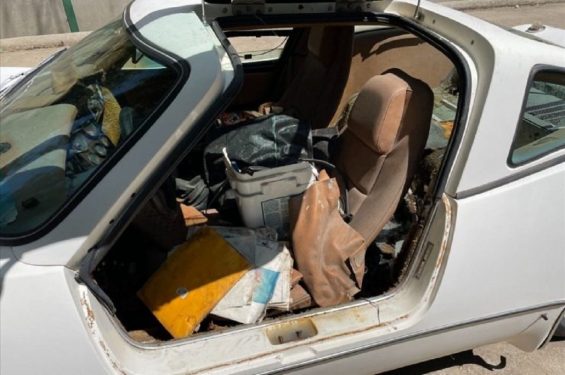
381, 147
313, 94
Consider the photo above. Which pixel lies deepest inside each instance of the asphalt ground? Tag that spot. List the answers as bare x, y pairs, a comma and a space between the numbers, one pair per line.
496, 359
548, 14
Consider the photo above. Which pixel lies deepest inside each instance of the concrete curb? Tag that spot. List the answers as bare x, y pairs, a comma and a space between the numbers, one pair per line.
487, 4
24, 43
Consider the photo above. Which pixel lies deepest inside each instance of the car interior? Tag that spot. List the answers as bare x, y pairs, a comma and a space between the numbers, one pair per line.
378, 104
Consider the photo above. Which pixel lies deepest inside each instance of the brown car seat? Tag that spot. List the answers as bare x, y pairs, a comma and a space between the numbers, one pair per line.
314, 92
381, 147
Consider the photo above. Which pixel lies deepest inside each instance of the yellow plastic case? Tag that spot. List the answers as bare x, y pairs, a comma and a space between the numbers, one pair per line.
193, 279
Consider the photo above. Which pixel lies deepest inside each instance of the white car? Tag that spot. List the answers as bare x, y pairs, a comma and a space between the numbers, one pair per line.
452, 155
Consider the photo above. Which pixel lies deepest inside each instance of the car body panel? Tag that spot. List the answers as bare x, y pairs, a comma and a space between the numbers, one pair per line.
496, 270
486, 169
549, 34
31, 313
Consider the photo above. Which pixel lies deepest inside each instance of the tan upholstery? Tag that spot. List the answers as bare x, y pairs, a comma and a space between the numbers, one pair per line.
382, 145
377, 51
314, 92
328, 252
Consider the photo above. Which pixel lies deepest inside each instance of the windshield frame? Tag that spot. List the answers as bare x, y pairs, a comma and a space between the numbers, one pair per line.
168, 59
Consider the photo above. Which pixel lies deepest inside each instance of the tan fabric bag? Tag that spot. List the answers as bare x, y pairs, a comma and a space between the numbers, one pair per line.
328, 252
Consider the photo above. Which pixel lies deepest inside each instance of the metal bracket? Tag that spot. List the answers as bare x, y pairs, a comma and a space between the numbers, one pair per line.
241, 7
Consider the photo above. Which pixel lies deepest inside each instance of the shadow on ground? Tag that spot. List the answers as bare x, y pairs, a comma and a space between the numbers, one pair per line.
509, 362
458, 359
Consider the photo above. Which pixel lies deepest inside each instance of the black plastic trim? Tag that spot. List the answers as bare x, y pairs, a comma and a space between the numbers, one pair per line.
264, 32
171, 60
260, 66
274, 20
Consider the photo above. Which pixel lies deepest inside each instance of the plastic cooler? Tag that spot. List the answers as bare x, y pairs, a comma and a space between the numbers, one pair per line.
262, 197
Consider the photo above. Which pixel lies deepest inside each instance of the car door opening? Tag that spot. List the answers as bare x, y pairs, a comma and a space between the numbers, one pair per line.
311, 191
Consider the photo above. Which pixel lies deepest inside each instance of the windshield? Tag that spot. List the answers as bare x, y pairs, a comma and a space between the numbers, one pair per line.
65, 122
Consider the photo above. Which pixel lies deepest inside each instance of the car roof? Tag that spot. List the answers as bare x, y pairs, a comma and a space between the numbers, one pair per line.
542, 33
212, 9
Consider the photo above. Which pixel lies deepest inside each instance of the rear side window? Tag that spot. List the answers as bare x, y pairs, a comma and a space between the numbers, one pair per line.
542, 125
259, 45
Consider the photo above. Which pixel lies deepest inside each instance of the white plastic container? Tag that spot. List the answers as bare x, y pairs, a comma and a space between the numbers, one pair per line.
262, 198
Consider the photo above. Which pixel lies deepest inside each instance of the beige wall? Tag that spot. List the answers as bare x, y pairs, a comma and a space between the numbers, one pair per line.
39, 17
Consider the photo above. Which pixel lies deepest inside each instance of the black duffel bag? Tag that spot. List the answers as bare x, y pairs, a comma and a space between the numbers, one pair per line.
266, 142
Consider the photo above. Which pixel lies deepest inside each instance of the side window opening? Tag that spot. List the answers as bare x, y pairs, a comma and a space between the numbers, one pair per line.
272, 147
541, 129
259, 45
263, 54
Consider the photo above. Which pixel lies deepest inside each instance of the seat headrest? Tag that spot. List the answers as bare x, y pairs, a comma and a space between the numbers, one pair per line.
377, 117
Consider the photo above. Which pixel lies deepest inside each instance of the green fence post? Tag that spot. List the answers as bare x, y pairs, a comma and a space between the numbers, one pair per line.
71, 17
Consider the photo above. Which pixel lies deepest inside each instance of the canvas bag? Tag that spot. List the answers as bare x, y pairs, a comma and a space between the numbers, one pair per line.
328, 252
